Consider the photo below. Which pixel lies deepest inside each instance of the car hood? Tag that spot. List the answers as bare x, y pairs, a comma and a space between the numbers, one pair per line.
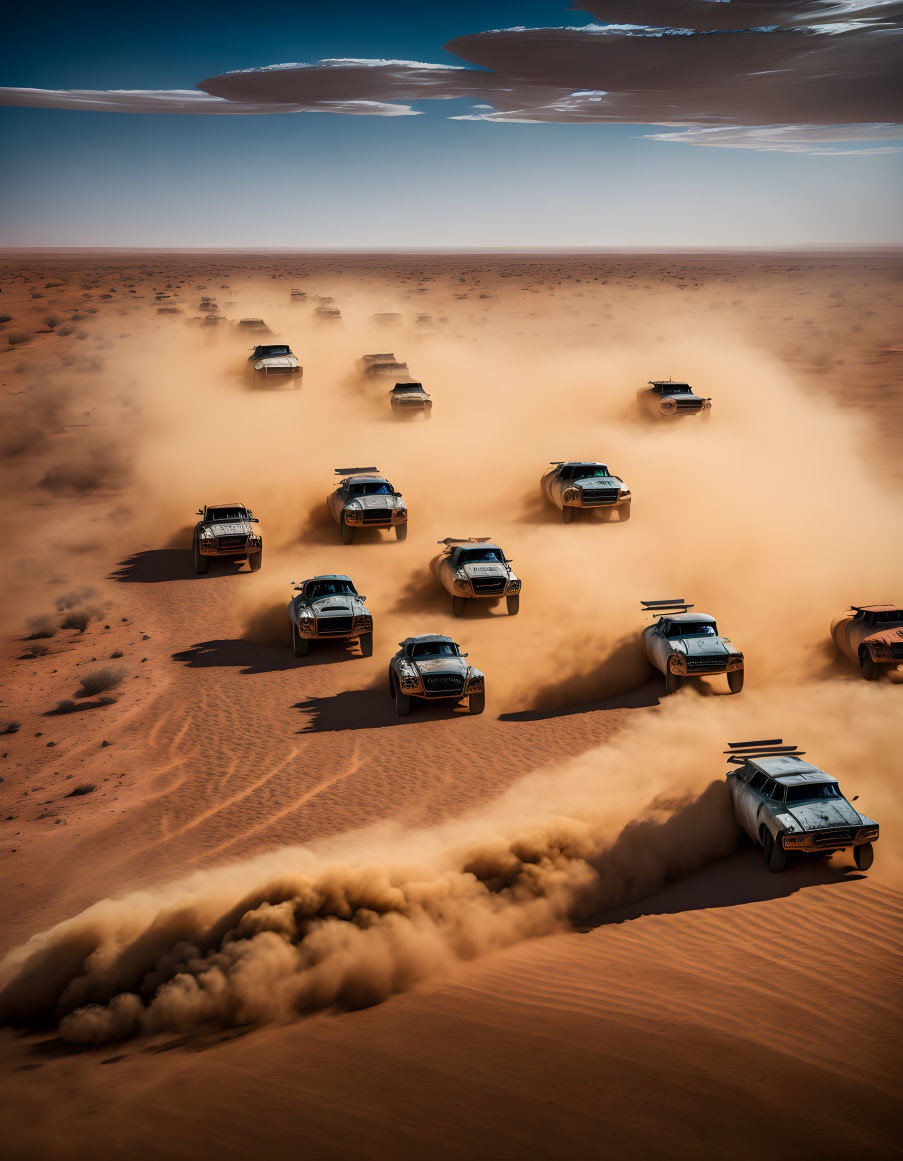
341, 605
889, 635
598, 482
455, 665
820, 815
374, 502
484, 569
702, 646
277, 361
232, 528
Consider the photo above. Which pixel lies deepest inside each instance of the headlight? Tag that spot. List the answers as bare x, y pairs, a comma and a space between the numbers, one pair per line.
205, 534
402, 511
307, 623
868, 833
474, 682
365, 621
625, 492
255, 541
461, 580
571, 496
514, 585
708, 403
735, 661
879, 649
677, 663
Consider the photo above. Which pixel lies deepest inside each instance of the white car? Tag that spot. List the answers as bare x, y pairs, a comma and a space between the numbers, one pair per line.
573, 485
433, 667
365, 499
476, 570
329, 607
788, 806
275, 361
663, 399
684, 644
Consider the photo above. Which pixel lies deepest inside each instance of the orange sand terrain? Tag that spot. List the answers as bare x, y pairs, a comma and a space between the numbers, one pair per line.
247, 910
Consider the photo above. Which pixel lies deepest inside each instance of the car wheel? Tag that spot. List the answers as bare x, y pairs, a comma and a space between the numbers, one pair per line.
255, 560
201, 562
300, 645
672, 682
401, 531
568, 515
774, 854
868, 665
735, 680
513, 604
402, 703
864, 856
366, 640
458, 604
625, 513
477, 702
347, 531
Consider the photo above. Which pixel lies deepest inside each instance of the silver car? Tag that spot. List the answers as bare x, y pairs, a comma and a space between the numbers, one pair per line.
433, 667
326, 608
684, 644
275, 361
663, 399
224, 531
364, 499
787, 805
572, 485
475, 570
410, 399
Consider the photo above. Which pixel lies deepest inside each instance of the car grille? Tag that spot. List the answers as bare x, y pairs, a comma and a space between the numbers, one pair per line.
490, 586
896, 652
706, 662
377, 516
689, 405
600, 495
278, 370
443, 684
231, 543
328, 626
833, 838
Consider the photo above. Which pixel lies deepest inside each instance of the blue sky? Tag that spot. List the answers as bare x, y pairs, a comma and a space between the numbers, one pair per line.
324, 180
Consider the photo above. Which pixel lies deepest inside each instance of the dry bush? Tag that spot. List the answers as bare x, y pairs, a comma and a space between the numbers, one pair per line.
100, 680
86, 788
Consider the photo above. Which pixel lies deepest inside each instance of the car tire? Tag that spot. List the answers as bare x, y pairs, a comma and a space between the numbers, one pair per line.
868, 665
625, 513
863, 856
402, 703
255, 560
476, 702
458, 606
672, 682
735, 680
774, 854
401, 531
513, 604
366, 640
300, 645
568, 515
346, 530
201, 562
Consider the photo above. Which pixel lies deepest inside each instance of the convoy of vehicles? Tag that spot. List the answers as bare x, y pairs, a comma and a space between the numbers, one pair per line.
684, 644
225, 531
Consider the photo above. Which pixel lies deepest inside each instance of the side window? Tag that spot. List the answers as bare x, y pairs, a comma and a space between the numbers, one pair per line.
772, 790
758, 780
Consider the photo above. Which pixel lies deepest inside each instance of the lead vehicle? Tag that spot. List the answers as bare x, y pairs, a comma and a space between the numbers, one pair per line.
664, 399
872, 635
787, 805
329, 607
433, 667
573, 485
275, 360
410, 399
364, 499
224, 530
684, 644
474, 570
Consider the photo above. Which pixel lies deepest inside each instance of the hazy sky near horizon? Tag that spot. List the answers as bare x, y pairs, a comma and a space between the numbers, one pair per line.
563, 131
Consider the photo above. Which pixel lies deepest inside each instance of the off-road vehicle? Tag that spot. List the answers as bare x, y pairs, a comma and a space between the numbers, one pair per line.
256, 325
365, 499
789, 806
382, 366
275, 361
224, 530
328, 608
666, 399
872, 635
433, 667
684, 644
572, 485
410, 399
475, 569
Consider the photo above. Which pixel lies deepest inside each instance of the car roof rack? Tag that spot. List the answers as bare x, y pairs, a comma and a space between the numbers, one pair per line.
466, 540
740, 752
671, 605
353, 471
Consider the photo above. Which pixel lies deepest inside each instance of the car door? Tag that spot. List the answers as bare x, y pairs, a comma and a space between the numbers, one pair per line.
747, 800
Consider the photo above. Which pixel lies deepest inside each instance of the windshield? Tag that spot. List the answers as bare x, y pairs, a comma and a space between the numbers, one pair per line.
481, 555
273, 352
691, 629
371, 488
329, 588
433, 649
584, 471
401, 388
674, 389
885, 617
813, 791
227, 514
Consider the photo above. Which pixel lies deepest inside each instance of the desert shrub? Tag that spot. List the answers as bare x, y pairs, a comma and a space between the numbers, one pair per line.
51, 321
38, 650
116, 653
16, 338
41, 625
11, 727
85, 788
100, 680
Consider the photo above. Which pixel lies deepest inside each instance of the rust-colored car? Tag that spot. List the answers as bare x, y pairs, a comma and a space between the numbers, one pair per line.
872, 635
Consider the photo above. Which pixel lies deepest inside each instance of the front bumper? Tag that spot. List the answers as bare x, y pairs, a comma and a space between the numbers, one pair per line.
826, 841
687, 667
375, 517
572, 499
267, 372
211, 548
335, 628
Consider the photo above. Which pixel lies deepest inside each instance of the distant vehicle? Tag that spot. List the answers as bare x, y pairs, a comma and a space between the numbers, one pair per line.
572, 485
386, 318
224, 530
410, 399
254, 324
872, 635
663, 398
275, 360
365, 499
684, 644
787, 805
473, 570
169, 310
296, 295
328, 314
328, 608
433, 667
382, 367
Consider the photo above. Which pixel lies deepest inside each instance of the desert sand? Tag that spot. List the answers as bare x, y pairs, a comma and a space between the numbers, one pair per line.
246, 910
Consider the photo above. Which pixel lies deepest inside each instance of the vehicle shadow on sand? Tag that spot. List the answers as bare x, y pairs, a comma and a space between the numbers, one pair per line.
739, 879
369, 709
257, 657
155, 565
